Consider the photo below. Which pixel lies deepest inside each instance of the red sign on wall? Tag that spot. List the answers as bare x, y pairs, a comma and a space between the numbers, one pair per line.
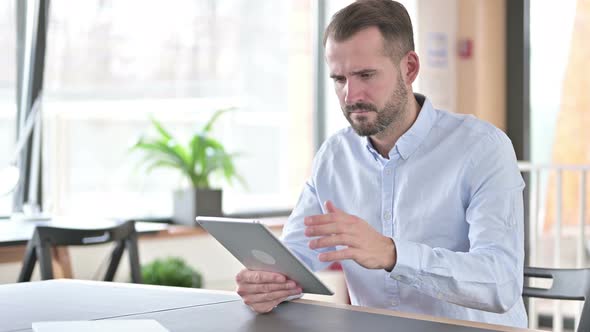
465, 48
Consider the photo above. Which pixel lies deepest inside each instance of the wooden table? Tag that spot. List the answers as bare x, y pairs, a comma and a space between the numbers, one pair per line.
180, 309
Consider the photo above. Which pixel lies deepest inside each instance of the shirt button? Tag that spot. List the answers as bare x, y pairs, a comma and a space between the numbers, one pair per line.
395, 303
387, 215
388, 171
396, 277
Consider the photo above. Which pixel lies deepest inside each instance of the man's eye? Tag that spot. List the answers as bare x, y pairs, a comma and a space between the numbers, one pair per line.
339, 80
366, 75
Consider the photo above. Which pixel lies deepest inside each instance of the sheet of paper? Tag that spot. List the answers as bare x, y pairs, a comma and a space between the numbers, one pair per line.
145, 325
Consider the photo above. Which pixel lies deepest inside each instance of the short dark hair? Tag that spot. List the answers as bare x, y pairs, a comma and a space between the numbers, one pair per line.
390, 17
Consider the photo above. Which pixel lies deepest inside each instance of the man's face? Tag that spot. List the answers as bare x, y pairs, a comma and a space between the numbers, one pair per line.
369, 86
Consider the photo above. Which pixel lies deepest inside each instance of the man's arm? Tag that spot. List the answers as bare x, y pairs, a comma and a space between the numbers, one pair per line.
489, 276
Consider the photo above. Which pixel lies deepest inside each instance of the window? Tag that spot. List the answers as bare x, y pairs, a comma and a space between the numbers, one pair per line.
548, 68
7, 91
110, 64
560, 102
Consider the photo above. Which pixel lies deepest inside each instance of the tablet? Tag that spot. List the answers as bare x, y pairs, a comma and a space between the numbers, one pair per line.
255, 246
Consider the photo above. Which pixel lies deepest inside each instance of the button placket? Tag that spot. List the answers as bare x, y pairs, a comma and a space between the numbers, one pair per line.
387, 215
387, 198
392, 286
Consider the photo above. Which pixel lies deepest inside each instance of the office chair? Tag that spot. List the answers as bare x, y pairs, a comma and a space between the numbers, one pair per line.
39, 248
568, 284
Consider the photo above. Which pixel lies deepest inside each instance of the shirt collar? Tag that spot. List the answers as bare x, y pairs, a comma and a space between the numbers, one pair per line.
407, 144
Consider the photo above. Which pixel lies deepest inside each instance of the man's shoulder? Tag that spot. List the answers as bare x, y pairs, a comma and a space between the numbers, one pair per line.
471, 139
469, 128
343, 137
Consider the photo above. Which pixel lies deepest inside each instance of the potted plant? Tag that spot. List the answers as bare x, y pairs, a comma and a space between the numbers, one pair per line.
171, 271
197, 161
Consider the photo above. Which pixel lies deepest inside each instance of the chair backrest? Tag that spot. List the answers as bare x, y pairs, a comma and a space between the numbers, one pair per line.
568, 284
39, 248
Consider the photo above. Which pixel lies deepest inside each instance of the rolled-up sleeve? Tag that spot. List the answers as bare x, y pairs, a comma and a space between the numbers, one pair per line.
490, 275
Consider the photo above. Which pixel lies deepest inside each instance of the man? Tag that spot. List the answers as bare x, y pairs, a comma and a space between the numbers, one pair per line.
423, 208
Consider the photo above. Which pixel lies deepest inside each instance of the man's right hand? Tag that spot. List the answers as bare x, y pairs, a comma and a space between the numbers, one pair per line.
262, 291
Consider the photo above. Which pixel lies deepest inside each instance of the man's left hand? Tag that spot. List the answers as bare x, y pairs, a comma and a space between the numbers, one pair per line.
363, 243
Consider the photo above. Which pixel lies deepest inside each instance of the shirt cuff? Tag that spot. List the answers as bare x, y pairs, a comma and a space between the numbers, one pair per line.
408, 261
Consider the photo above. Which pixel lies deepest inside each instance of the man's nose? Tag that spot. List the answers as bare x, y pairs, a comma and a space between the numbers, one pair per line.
354, 92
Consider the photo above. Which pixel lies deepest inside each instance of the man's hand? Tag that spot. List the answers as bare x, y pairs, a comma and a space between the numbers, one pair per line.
363, 243
262, 291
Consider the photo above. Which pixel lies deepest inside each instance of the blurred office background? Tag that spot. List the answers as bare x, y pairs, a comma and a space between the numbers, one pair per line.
519, 64
110, 64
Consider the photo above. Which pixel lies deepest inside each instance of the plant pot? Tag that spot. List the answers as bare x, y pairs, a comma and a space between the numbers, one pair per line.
192, 202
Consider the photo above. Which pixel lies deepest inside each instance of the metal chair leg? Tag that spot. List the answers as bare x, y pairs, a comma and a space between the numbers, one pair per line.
28, 263
114, 262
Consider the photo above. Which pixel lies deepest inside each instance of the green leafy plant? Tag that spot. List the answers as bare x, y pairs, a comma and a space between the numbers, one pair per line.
197, 160
171, 271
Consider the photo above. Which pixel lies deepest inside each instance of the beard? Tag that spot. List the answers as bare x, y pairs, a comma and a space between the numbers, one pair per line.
391, 113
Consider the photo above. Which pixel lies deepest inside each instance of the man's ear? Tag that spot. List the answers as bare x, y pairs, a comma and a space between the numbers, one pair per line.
410, 66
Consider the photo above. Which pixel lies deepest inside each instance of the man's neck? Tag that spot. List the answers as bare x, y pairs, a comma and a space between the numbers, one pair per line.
384, 141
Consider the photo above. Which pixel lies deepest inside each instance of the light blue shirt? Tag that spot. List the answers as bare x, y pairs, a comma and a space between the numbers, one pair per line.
450, 196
